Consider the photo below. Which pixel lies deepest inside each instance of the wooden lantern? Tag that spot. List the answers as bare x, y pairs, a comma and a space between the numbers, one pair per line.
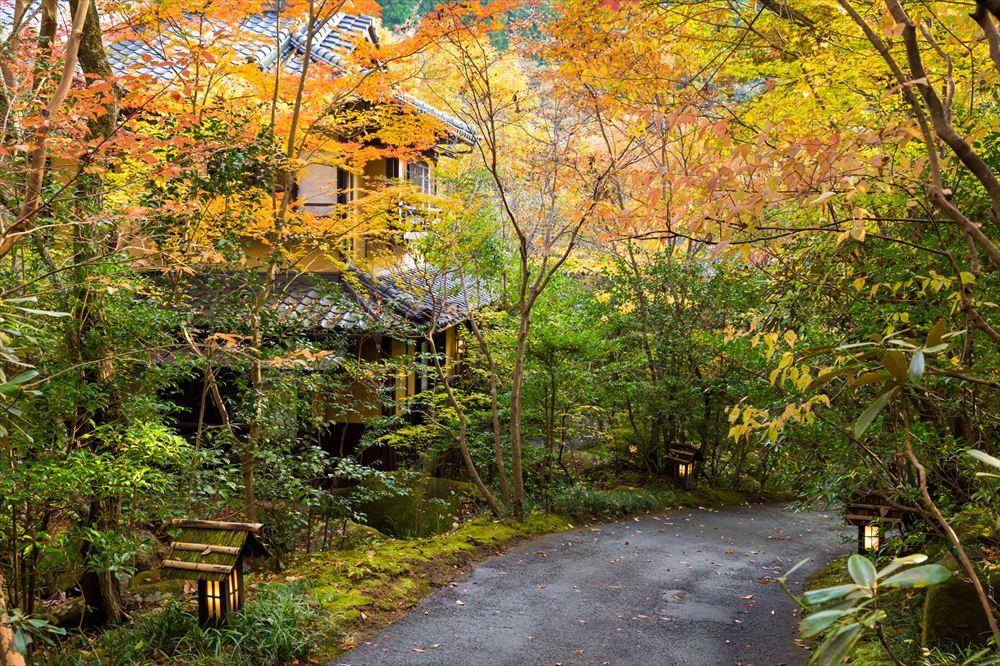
872, 515
680, 464
212, 553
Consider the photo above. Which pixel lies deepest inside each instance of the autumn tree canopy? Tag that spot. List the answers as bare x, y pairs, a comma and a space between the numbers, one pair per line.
567, 247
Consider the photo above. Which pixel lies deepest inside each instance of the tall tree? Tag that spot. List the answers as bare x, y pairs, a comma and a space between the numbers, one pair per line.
546, 172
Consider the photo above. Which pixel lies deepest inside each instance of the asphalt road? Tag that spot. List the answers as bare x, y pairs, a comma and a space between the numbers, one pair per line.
686, 587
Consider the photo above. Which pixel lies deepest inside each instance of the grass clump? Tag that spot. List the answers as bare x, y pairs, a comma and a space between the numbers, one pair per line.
582, 503
279, 625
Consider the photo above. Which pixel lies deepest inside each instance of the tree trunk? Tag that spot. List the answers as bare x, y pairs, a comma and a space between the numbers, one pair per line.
963, 558
101, 590
550, 427
94, 63
461, 438
494, 406
517, 381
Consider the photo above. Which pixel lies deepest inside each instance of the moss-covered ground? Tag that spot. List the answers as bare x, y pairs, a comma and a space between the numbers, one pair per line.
369, 583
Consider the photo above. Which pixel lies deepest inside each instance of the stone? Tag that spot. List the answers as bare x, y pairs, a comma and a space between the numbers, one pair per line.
953, 614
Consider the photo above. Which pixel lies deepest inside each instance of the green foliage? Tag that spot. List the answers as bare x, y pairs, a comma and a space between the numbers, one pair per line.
27, 629
850, 611
279, 625
963, 656
397, 12
583, 503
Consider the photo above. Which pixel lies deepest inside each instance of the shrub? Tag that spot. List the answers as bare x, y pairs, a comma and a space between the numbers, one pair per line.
582, 503
278, 626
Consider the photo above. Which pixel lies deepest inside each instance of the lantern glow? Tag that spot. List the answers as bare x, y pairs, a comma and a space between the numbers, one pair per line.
213, 599
870, 538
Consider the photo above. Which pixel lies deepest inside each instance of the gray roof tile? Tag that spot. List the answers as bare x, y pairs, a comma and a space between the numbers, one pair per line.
318, 302
265, 38
268, 38
7, 15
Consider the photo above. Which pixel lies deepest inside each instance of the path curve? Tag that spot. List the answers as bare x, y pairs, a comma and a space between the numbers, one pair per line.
685, 587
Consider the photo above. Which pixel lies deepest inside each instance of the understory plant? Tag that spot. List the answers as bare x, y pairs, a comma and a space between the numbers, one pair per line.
279, 626
844, 614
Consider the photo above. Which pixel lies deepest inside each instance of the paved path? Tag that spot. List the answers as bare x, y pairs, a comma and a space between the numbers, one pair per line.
687, 587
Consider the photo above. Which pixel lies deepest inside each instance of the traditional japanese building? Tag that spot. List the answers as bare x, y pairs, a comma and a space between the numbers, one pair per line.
379, 297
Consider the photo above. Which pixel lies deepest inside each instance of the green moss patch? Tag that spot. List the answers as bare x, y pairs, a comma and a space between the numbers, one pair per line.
363, 587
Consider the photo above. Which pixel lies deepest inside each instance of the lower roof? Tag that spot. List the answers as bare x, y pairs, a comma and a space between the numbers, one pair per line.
411, 299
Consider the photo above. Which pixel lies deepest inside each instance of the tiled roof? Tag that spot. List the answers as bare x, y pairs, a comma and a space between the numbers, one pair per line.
266, 39
418, 296
7, 14
318, 302
462, 130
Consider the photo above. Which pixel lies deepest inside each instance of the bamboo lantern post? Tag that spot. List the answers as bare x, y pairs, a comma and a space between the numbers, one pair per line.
680, 464
212, 553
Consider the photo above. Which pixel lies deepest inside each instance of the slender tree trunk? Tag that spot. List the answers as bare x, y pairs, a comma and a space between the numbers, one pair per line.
550, 429
963, 557
498, 452
517, 381
212, 387
37, 170
461, 437
248, 448
94, 63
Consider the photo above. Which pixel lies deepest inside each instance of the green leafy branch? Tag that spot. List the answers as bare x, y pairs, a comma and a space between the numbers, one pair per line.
855, 612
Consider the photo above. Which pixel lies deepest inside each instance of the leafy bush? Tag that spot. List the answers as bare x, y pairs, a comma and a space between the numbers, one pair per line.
278, 626
581, 502
845, 614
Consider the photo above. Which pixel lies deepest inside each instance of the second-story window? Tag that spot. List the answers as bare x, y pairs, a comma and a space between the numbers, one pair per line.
419, 174
345, 186
322, 188
392, 168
